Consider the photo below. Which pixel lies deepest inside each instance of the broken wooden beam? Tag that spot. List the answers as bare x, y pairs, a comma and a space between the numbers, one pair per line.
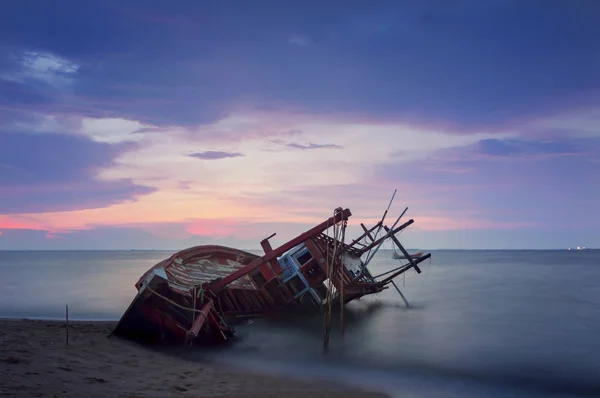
357, 240
378, 241
266, 245
199, 322
403, 267
403, 250
367, 232
417, 261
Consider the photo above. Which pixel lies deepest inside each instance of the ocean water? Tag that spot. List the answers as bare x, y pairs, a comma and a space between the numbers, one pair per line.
481, 323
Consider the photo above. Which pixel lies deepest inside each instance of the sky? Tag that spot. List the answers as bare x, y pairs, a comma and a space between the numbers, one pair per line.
163, 125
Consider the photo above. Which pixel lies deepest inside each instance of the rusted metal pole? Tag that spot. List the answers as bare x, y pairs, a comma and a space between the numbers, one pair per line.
330, 275
329, 299
386, 212
342, 282
401, 295
383, 217
194, 300
67, 319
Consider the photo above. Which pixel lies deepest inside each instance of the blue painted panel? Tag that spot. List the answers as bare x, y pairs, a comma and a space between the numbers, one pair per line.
288, 266
302, 292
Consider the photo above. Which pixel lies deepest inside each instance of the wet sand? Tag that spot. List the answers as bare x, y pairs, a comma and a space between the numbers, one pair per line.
36, 362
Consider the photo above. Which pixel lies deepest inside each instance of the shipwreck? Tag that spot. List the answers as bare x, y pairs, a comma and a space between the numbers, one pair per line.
199, 294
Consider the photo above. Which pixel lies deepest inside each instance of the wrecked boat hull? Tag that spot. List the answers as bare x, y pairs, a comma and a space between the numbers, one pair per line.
197, 295
170, 298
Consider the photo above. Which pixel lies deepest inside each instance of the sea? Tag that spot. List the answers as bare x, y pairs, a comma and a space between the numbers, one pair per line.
479, 323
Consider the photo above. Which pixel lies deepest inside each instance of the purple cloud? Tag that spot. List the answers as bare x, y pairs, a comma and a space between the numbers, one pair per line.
310, 145
519, 148
545, 183
215, 155
299, 40
56, 172
481, 67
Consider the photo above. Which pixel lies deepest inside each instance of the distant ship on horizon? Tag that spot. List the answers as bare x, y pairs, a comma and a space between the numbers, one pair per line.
578, 248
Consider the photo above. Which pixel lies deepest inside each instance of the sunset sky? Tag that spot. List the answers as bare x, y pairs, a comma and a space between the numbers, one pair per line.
155, 124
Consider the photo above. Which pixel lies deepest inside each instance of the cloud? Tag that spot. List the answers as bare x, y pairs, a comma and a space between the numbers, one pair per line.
20, 222
111, 130
54, 172
215, 155
108, 130
439, 103
504, 181
241, 232
417, 62
427, 232
45, 67
112, 238
451, 185
442, 223
519, 148
310, 145
214, 228
70, 196
162, 161
299, 40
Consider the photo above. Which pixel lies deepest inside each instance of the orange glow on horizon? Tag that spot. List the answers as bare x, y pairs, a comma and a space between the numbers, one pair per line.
213, 228
16, 222
166, 207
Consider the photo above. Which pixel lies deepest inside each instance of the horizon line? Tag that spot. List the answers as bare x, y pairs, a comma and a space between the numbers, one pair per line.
383, 250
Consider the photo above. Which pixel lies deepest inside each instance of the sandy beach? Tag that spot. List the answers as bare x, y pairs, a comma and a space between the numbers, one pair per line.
36, 362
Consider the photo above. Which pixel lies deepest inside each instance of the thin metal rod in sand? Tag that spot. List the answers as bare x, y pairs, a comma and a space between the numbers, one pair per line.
67, 318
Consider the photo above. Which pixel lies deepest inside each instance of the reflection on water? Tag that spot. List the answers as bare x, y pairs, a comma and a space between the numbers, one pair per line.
481, 323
